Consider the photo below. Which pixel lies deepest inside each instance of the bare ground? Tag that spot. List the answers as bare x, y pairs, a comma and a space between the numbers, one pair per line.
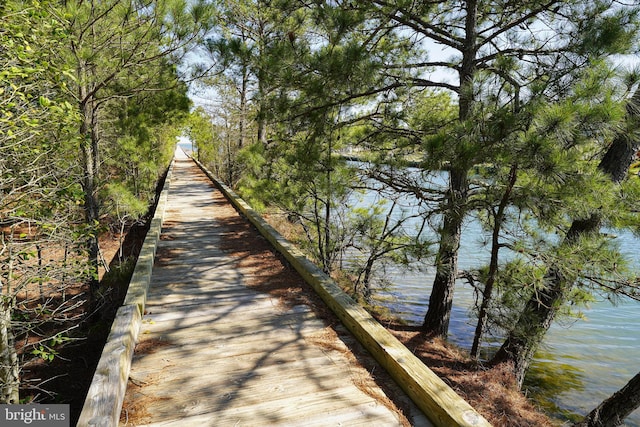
67, 377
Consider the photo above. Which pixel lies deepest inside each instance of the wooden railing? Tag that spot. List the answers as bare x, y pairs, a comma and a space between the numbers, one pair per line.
104, 399
439, 402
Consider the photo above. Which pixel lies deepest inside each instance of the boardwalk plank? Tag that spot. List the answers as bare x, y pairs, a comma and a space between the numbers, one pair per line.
213, 352
275, 410
240, 367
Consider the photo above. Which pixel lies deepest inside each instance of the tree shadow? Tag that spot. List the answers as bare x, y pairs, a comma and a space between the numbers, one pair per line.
224, 258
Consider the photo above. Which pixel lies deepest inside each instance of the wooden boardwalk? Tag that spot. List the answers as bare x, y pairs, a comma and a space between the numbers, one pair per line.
213, 351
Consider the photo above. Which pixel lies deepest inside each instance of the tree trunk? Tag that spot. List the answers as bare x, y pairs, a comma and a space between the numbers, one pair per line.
436, 321
9, 371
522, 342
242, 125
524, 339
616, 408
89, 156
328, 239
262, 109
230, 163
366, 281
9, 378
9, 368
619, 156
487, 293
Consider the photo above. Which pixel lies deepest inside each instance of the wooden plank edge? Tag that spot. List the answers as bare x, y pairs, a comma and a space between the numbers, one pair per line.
141, 277
440, 403
105, 397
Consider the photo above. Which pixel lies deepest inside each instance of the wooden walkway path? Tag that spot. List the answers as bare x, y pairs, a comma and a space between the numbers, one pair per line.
213, 351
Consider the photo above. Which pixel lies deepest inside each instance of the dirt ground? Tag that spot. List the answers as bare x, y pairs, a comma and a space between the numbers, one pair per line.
67, 377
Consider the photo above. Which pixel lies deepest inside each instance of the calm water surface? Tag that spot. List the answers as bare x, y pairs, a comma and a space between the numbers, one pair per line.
581, 363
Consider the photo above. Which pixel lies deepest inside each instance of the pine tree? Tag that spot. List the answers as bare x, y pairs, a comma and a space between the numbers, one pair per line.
544, 305
118, 49
502, 61
38, 175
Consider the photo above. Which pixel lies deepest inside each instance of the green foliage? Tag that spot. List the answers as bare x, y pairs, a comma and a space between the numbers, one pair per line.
383, 237
318, 200
38, 175
628, 214
253, 183
124, 57
102, 77
558, 179
115, 282
610, 32
200, 131
146, 126
119, 275
124, 203
513, 134
45, 353
48, 352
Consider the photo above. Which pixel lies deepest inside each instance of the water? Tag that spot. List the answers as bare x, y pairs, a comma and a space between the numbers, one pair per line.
186, 145
604, 349
581, 363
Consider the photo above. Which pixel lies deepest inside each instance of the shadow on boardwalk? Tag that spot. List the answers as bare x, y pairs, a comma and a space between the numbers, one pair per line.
232, 336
